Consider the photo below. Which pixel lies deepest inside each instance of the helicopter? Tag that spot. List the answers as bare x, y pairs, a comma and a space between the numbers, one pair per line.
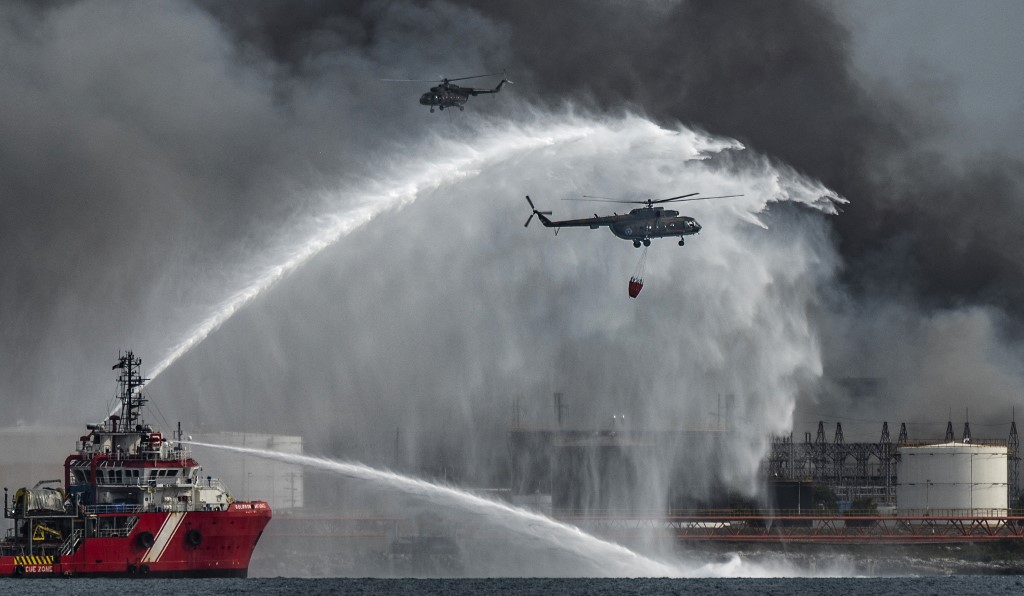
448, 95
639, 225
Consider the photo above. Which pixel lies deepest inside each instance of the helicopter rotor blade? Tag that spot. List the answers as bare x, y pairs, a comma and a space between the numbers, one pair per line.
674, 198
412, 80
591, 199
681, 200
496, 74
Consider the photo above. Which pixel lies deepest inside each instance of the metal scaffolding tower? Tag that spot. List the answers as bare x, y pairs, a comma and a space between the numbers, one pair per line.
851, 470
1013, 457
864, 470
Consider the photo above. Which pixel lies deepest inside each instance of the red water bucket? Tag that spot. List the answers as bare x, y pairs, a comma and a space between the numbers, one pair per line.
635, 285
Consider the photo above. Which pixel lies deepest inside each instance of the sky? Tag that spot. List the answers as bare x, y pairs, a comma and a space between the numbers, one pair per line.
230, 190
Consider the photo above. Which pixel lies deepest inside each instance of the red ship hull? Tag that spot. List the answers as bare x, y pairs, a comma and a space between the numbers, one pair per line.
161, 544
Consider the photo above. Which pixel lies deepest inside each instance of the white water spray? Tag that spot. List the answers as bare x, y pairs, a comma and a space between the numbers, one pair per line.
351, 207
592, 556
567, 548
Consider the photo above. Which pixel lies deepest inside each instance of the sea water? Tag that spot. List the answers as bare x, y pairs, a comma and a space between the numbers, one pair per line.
957, 585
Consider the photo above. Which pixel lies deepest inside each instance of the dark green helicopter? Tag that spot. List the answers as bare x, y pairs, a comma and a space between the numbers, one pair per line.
639, 225
449, 95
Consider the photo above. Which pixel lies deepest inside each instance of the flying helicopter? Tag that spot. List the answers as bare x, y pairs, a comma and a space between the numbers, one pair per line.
449, 95
640, 224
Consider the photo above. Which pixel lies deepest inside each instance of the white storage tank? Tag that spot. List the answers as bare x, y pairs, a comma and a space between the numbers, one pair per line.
952, 478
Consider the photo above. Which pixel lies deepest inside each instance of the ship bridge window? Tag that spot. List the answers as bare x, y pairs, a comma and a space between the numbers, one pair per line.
164, 473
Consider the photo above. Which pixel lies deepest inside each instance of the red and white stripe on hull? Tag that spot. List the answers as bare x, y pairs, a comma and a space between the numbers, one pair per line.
167, 530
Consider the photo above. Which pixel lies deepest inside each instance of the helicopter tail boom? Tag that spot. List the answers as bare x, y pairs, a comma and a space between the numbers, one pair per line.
504, 79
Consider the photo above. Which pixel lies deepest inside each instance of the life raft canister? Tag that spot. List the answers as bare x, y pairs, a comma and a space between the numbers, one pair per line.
635, 285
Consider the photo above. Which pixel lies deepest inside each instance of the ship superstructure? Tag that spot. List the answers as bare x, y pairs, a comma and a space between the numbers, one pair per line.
132, 502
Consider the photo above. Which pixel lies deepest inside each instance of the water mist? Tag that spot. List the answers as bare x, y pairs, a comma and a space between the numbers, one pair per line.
532, 544
458, 309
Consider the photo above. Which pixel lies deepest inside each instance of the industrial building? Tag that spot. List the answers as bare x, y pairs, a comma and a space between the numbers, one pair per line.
908, 474
615, 470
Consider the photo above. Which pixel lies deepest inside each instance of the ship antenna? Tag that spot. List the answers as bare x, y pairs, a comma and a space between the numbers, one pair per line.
129, 383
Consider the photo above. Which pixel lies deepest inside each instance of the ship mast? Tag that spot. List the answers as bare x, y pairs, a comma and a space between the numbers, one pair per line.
129, 384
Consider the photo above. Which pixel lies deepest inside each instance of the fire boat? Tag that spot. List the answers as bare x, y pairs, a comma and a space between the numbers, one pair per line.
132, 503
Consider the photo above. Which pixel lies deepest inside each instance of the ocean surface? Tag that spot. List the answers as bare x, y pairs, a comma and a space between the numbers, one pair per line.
954, 585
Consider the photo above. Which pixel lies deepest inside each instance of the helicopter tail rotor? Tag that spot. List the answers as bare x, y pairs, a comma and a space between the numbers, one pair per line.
505, 79
535, 212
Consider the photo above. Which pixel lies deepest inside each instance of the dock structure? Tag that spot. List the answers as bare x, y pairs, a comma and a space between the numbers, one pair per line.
769, 526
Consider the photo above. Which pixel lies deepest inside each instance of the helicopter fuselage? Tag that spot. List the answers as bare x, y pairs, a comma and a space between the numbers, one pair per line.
451, 97
639, 225
644, 223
